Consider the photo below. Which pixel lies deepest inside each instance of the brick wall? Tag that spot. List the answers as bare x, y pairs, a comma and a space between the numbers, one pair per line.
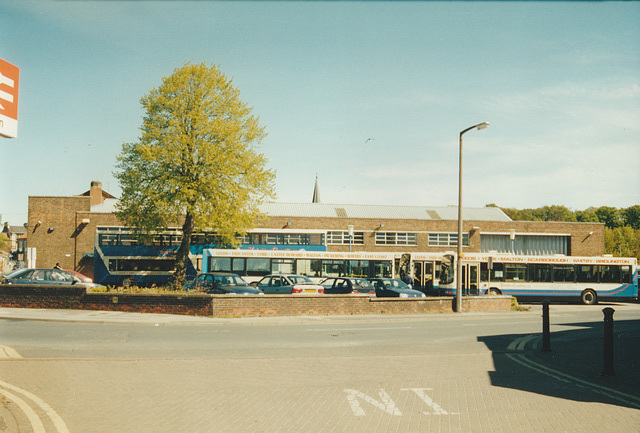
51, 227
70, 297
327, 305
582, 244
55, 229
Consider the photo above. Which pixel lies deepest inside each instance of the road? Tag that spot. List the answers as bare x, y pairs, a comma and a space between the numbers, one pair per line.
84, 372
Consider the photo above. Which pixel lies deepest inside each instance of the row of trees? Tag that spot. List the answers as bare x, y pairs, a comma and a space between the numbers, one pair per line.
622, 226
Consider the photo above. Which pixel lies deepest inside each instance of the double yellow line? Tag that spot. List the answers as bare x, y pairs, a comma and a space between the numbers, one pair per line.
28, 402
519, 344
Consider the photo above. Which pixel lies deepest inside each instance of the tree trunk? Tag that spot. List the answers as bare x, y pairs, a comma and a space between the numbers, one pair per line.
182, 256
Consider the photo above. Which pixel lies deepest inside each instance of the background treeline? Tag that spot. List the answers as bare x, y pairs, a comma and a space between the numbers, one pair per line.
622, 226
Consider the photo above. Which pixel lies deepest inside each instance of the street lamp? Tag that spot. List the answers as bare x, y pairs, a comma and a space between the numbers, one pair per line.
459, 256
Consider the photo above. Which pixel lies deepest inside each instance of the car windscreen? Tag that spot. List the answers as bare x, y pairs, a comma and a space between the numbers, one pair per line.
300, 279
230, 280
363, 283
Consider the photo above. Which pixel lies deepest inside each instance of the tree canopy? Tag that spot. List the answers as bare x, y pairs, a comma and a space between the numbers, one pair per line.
197, 162
622, 226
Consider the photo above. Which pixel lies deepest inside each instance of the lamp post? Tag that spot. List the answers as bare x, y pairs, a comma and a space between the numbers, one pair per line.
459, 255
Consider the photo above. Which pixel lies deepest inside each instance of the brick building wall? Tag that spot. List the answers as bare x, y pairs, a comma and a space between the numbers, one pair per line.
62, 230
582, 243
55, 229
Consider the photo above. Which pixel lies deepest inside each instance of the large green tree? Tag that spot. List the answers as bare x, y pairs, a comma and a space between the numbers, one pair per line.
196, 162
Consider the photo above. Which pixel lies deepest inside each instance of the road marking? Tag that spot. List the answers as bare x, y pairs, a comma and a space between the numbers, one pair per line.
34, 419
7, 352
52, 414
386, 404
558, 375
520, 343
437, 409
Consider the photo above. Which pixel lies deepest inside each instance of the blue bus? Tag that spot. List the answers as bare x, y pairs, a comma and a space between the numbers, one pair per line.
126, 256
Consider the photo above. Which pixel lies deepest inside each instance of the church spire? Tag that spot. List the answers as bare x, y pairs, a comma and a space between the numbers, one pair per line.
316, 192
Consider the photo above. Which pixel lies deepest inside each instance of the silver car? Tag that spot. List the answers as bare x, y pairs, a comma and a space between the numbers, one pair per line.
288, 285
46, 276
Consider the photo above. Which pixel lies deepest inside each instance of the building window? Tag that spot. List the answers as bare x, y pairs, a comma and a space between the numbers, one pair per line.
342, 238
526, 245
282, 239
447, 239
396, 238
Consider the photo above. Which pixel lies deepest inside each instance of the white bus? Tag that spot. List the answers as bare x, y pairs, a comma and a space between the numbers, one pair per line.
537, 277
317, 265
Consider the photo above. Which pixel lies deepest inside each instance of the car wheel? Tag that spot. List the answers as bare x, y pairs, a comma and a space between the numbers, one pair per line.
589, 297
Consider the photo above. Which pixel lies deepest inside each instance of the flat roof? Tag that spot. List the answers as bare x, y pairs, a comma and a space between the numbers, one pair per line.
325, 210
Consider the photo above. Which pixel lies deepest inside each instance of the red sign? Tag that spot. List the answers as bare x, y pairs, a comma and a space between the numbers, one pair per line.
9, 79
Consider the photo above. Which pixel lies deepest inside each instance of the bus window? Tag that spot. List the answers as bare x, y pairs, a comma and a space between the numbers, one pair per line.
609, 274
220, 264
382, 270
309, 267
332, 268
587, 274
484, 271
239, 266
258, 267
358, 268
563, 273
540, 273
498, 272
447, 270
625, 274
515, 272
282, 266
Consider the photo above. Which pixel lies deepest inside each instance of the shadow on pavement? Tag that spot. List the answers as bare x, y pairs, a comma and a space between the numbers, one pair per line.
573, 369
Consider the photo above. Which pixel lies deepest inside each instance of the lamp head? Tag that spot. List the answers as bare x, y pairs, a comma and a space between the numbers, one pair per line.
483, 125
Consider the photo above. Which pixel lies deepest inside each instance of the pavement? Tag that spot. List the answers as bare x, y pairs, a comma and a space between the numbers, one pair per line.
578, 351
526, 389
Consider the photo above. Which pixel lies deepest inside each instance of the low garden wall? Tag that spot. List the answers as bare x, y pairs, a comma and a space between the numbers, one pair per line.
71, 297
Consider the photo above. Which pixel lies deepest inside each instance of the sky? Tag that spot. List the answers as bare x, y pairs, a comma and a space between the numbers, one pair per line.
370, 97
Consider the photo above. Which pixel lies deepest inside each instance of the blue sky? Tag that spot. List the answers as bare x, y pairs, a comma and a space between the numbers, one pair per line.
559, 83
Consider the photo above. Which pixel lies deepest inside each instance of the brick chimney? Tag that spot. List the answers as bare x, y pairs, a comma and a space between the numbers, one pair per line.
96, 193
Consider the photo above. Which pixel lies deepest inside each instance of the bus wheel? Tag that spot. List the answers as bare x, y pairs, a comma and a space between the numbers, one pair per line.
493, 292
589, 297
127, 281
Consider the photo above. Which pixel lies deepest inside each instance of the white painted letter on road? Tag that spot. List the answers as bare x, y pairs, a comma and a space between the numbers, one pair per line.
386, 404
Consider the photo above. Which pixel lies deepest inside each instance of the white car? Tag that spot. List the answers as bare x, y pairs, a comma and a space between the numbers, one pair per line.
281, 284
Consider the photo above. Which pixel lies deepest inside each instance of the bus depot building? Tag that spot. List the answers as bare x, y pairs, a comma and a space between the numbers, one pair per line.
65, 230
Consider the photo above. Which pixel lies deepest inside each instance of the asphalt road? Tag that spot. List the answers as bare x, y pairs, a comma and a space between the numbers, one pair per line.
96, 372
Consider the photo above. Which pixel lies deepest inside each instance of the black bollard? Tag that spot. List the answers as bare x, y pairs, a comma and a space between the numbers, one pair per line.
607, 369
546, 336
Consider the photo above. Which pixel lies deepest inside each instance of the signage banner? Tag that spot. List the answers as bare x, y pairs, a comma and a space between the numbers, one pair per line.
9, 79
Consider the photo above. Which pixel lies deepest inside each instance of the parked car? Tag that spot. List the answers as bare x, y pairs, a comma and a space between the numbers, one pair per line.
348, 285
47, 276
288, 284
394, 288
82, 278
221, 283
